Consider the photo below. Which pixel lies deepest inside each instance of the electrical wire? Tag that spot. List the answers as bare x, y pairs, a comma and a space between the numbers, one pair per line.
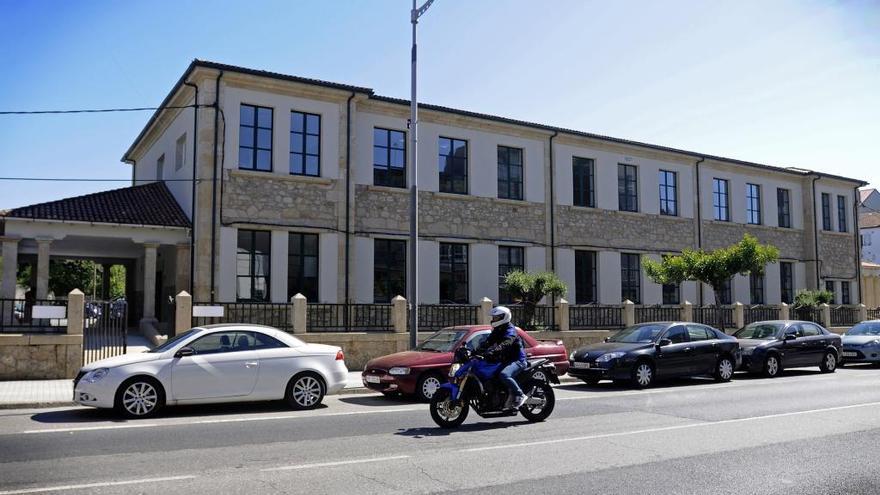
62, 179
92, 110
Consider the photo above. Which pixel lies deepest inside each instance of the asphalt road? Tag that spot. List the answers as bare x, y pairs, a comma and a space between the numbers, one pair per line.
803, 433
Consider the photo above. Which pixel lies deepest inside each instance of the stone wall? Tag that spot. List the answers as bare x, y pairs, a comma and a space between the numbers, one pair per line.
791, 242
590, 227
255, 197
837, 255
40, 356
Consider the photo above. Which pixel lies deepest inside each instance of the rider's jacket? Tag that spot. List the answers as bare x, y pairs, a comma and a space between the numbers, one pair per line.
503, 345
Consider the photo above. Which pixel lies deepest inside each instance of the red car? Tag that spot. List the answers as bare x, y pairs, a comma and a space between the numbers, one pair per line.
421, 371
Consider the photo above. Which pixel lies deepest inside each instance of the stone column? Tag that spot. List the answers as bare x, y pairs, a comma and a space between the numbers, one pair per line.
105, 281
826, 315
300, 306
183, 310
739, 315
485, 307
150, 281
687, 311
75, 312
629, 313
43, 267
398, 314
562, 321
863, 312
876, 281
10, 266
181, 267
784, 312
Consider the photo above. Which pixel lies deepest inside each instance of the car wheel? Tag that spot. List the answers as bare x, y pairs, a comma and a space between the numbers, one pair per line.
305, 391
427, 386
139, 397
592, 380
724, 369
829, 363
772, 366
643, 374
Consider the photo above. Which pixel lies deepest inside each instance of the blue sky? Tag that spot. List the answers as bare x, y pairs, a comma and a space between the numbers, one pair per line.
789, 83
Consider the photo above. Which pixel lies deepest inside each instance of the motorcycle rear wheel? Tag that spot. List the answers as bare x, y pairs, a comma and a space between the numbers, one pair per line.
539, 412
444, 414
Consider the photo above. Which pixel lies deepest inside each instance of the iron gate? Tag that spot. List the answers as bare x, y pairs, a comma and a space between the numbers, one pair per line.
105, 329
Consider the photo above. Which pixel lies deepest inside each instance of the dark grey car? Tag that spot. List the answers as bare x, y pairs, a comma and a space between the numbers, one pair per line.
769, 346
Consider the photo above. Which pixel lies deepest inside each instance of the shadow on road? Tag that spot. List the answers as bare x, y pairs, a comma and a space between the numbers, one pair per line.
102, 415
423, 432
379, 401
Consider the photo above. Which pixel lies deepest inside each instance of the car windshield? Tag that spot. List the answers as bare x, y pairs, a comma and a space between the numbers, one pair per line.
760, 331
173, 341
638, 333
872, 328
442, 341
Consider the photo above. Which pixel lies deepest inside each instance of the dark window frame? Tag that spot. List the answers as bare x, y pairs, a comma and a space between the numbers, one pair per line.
841, 214
583, 174
387, 175
511, 191
586, 277
671, 294
754, 215
387, 276
447, 180
845, 294
303, 286
450, 274
505, 266
627, 187
826, 212
252, 254
303, 137
631, 277
255, 128
720, 210
786, 281
783, 206
668, 206
756, 288
725, 295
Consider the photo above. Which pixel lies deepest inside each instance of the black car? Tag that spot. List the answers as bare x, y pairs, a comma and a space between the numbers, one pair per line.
770, 346
647, 351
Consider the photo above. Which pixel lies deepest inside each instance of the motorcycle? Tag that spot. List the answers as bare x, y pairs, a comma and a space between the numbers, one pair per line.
473, 383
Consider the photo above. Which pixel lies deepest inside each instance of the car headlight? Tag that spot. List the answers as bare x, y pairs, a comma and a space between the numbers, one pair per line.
398, 370
454, 369
608, 356
96, 375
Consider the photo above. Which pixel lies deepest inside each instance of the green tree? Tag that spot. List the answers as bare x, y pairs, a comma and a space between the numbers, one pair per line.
66, 275
529, 288
714, 268
813, 298
117, 281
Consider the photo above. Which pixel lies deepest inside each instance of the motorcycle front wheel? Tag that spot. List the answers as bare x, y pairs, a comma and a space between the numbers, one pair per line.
445, 413
540, 403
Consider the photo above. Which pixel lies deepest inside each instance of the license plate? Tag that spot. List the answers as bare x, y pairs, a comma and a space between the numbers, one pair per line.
580, 365
849, 354
373, 379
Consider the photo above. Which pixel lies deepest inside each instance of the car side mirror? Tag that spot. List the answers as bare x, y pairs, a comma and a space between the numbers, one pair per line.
663, 342
789, 336
184, 351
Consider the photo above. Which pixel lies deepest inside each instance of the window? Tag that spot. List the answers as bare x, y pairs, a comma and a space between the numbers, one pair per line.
510, 172
753, 204
180, 152
829, 286
783, 205
389, 158
826, 211
389, 269
810, 330
585, 277
305, 144
841, 213
252, 265
677, 334
631, 277
756, 288
263, 341
627, 188
453, 166
218, 342
697, 332
160, 168
844, 293
725, 292
509, 258
583, 176
453, 273
786, 278
302, 265
668, 193
255, 138
671, 294
721, 199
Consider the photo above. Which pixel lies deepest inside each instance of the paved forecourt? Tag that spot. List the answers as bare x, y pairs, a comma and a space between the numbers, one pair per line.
603, 435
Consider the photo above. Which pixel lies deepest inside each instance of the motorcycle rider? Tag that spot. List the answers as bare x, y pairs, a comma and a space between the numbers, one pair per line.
505, 346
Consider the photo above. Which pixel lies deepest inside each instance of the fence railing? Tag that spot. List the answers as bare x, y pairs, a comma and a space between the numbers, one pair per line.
874, 314
272, 314
591, 316
645, 314
339, 317
752, 314
16, 316
433, 317
716, 316
844, 316
805, 313
543, 319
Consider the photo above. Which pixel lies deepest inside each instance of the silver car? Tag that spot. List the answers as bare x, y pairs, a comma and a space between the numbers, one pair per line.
861, 344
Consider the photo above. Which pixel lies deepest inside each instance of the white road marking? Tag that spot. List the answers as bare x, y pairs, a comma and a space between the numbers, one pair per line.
94, 485
667, 428
91, 428
337, 463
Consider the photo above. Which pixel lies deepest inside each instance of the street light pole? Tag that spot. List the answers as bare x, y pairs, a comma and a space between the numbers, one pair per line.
414, 187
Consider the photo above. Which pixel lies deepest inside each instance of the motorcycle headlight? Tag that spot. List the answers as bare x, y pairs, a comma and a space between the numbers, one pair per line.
96, 375
398, 370
454, 369
571, 356
609, 356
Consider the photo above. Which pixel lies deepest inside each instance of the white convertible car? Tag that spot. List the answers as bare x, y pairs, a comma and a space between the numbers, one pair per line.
214, 363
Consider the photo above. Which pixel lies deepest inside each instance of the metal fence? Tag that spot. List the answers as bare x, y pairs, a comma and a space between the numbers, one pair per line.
341, 317
844, 316
805, 313
760, 313
105, 330
657, 313
874, 314
16, 316
716, 316
543, 319
433, 317
272, 314
590, 316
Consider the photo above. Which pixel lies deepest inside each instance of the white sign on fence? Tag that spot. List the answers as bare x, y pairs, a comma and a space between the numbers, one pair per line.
49, 312
207, 311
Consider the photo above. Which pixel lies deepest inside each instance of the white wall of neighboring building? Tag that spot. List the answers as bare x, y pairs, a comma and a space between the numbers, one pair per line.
870, 244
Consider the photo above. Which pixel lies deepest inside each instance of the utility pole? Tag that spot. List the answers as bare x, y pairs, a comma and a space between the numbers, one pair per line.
414, 187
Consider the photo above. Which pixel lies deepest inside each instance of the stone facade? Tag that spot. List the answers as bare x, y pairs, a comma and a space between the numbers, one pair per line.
255, 197
589, 227
40, 357
837, 255
791, 242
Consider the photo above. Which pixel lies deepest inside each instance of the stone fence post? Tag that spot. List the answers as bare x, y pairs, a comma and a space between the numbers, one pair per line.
485, 307
687, 311
739, 315
784, 312
398, 313
562, 323
863, 312
75, 312
826, 315
300, 306
629, 313
183, 310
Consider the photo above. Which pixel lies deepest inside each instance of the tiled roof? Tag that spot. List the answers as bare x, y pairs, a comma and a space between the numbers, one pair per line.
869, 220
864, 193
147, 204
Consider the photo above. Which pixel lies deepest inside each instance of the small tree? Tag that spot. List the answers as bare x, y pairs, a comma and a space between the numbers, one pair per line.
714, 268
813, 298
529, 288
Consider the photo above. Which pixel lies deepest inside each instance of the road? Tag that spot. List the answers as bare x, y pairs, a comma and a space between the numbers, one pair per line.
803, 433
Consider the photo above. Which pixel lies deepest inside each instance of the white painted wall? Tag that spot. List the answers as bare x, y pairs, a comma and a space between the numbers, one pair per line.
328, 267
362, 269
608, 278
565, 267
834, 190
483, 272
278, 266
689, 292
741, 289
225, 279
772, 284
429, 272
800, 277
651, 293
871, 245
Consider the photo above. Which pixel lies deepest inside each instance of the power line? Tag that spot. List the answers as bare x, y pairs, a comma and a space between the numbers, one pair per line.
92, 110
64, 179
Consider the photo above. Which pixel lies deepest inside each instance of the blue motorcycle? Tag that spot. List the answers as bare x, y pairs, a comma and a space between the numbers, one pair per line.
474, 383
